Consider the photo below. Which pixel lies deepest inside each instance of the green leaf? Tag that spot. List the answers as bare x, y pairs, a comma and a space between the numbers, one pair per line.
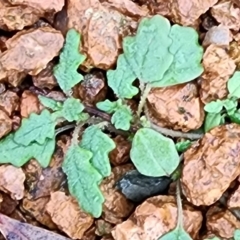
43, 153
214, 106
183, 145
121, 79
50, 103
12, 152
107, 106
187, 52
153, 154
230, 105
122, 113
35, 128
147, 52
94, 140
233, 85
237, 234
212, 120
122, 118
70, 59
72, 109
83, 180
17, 154
176, 234
235, 117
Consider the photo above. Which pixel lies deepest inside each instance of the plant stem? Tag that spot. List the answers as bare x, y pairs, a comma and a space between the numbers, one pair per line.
76, 134
97, 113
142, 102
170, 132
64, 128
176, 134
179, 205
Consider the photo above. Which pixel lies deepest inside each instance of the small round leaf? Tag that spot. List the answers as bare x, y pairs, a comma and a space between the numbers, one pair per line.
153, 154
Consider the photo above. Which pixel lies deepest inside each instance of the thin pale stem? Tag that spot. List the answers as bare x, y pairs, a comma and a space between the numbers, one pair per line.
64, 128
179, 205
76, 134
143, 99
170, 132
176, 134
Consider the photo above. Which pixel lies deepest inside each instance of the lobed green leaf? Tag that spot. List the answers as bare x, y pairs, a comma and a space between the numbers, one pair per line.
70, 59
122, 118
187, 55
50, 103
72, 109
147, 52
17, 154
107, 106
43, 153
121, 79
35, 128
100, 144
233, 85
83, 180
153, 154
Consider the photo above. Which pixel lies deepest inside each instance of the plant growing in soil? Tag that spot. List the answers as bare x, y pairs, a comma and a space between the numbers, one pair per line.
159, 55
218, 111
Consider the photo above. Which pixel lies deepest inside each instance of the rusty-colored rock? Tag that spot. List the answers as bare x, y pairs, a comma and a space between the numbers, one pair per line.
234, 53
182, 11
129, 8
68, 216
222, 222
218, 68
42, 6
56, 95
41, 182
121, 153
11, 181
7, 205
116, 206
2, 88
218, 35
155, 217
17, 17
5, 124
90, 234
177, 107
45, 79
211, 164
234, 200
37, 209
29, 51
102, 28
9, 102
92, 89
29, 104
226, 13
103, 228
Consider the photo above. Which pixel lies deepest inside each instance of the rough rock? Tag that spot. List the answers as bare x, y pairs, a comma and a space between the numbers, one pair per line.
155, 217
211, 164
176, 107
